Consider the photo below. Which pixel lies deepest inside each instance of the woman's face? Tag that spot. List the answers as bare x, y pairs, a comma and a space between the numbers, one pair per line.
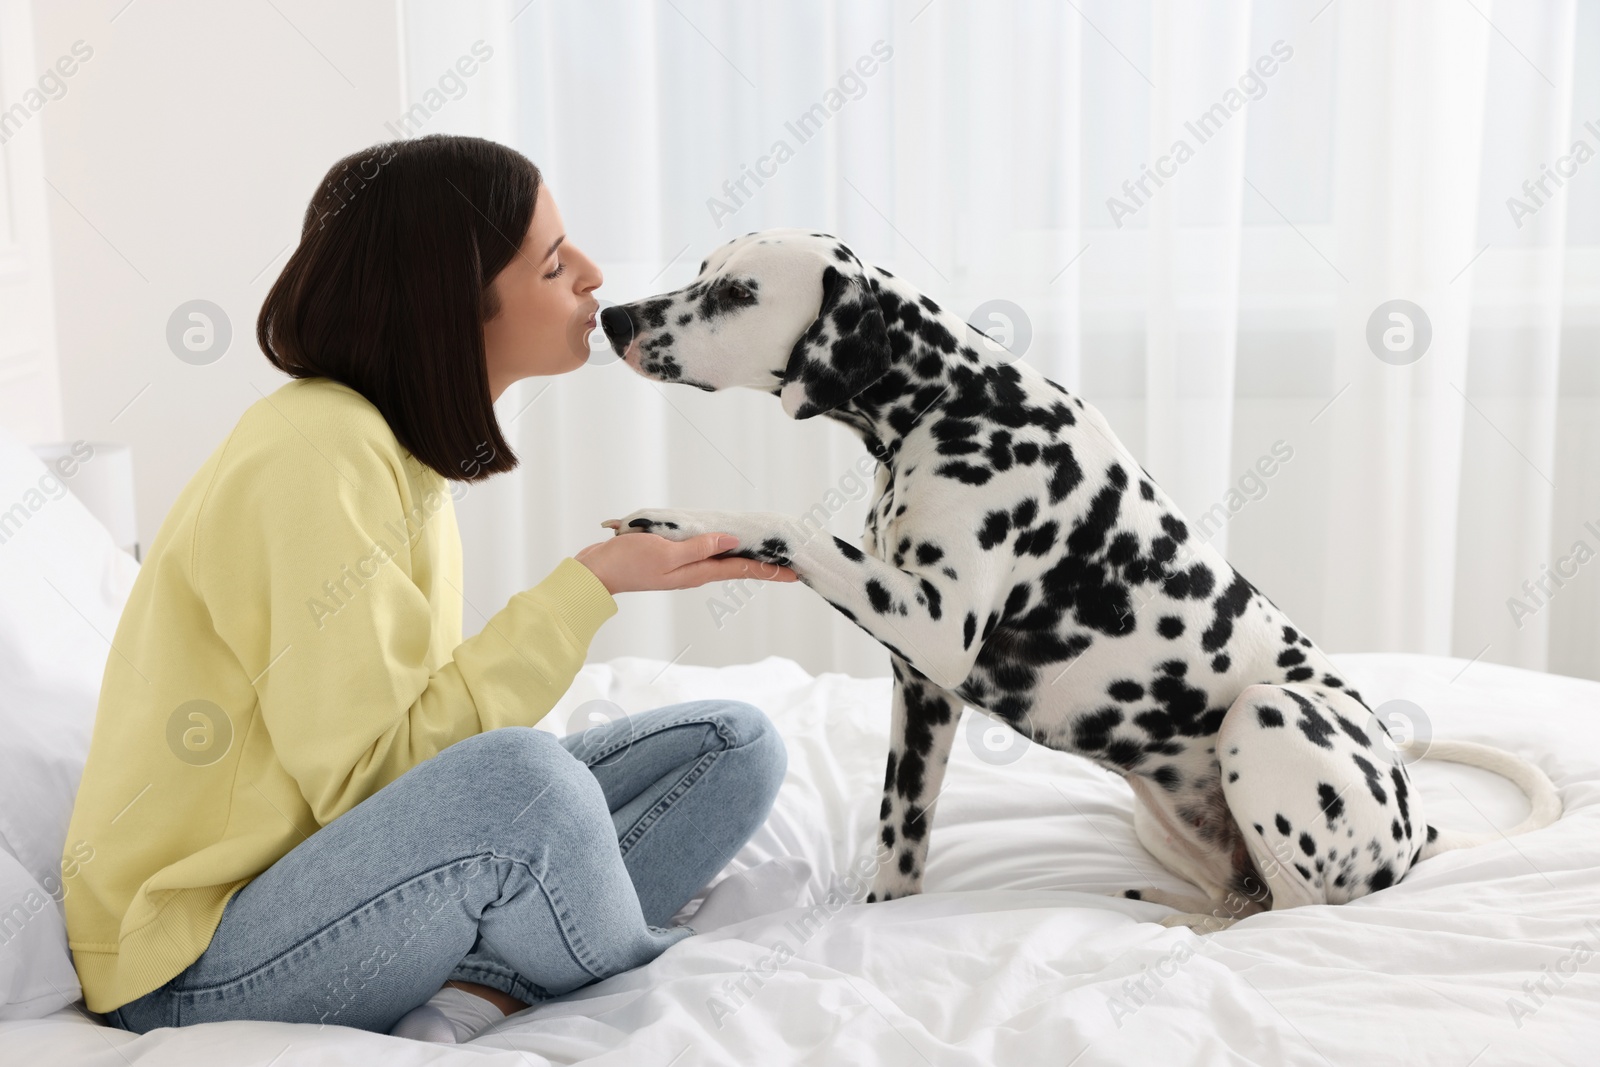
546, 304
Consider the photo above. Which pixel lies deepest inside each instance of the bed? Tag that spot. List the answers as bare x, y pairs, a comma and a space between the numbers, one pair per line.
1017, 954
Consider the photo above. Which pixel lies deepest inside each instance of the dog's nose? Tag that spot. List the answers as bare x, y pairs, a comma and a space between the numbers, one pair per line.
619, 326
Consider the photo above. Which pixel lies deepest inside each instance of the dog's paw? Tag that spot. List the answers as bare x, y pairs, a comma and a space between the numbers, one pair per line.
755, 530
894, 886
1199, 923
664, 522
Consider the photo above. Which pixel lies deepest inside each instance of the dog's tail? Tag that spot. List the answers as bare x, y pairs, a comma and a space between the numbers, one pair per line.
1544, 802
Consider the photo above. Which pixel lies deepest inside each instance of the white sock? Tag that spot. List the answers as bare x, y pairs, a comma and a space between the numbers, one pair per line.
763, 889
450, 1017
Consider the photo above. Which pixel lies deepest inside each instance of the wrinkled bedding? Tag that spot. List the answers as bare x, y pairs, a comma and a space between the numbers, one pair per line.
1016, 954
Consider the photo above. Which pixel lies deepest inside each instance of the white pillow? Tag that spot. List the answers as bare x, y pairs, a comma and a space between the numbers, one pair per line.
36, 975
63, 583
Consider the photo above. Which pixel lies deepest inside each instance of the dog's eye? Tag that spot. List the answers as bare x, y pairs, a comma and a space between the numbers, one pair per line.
740, 292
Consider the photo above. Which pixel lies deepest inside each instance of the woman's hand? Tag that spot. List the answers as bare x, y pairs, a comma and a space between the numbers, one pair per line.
641, 561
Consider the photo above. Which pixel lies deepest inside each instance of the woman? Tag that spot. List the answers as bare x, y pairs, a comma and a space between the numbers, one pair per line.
309, 799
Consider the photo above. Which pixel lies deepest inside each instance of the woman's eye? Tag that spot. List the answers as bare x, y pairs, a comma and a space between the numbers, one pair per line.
560, 270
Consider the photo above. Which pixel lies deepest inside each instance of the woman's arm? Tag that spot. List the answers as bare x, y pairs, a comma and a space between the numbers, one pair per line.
326, 584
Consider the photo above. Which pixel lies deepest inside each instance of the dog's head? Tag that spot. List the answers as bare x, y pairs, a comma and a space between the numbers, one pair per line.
785, 311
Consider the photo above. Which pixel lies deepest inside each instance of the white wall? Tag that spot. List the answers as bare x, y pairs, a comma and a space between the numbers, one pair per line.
185, 152
30, 394
185, 149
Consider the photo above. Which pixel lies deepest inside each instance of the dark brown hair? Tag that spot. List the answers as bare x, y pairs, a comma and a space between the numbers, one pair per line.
388, 290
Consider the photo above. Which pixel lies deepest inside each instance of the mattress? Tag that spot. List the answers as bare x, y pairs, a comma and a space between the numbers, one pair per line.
1016, 953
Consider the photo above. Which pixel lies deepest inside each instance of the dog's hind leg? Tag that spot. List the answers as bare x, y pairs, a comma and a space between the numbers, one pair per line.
920, 736
1327, 809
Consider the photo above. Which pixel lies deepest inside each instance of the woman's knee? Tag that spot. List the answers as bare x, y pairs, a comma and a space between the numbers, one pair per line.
511, 748
513, 767
752, 731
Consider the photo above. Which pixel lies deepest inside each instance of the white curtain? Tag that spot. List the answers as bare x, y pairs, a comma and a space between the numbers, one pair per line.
1197, 217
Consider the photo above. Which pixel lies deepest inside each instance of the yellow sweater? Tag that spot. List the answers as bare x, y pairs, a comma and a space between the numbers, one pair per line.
292, 644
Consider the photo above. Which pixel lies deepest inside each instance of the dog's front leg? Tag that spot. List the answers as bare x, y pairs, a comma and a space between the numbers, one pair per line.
927, 614
920, 735
764, 536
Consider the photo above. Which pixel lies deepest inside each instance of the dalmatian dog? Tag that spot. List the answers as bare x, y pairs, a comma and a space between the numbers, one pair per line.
1018, 560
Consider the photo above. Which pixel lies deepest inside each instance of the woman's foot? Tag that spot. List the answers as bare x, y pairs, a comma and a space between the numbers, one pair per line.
508, 1004
456, 1013
761, 890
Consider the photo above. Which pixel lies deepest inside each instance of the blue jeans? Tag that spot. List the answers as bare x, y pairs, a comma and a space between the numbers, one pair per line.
514, 859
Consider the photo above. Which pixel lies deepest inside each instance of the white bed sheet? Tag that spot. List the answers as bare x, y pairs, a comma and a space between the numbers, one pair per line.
1014, 955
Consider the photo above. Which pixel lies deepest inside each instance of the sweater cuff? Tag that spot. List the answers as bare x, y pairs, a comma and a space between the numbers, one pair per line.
578, 598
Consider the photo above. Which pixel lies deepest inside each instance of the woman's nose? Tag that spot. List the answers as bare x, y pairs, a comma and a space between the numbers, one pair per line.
589, 274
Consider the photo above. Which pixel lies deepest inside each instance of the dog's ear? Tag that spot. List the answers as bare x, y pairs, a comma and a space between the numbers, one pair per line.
845, 350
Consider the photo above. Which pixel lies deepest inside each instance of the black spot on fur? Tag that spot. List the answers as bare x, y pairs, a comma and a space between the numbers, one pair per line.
1229, 606
1126, 690
1371, 774
1065, 472
914, 827
1125, 754
1401, 796
1330, 801
1311, 722
965, 472
1092, 732
909, 781
1356, 733
995, 529
775, 549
